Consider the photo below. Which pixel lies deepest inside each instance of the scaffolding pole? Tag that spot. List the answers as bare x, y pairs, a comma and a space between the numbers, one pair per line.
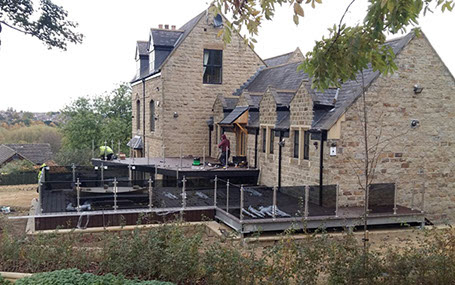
183, 193
78, 193
115, 194
395, 199
337, 200
227, 196
307, 195
274, 207
241, 203
150, 193
105, 145
203, 157
215, 190
73, 167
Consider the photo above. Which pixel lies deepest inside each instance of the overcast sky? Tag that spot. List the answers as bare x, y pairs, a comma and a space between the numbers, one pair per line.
33, 78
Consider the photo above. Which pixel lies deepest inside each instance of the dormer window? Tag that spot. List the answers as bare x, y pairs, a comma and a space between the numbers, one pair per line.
213, 66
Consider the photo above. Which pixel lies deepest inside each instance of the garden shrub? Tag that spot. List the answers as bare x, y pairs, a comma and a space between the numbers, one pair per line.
76, 277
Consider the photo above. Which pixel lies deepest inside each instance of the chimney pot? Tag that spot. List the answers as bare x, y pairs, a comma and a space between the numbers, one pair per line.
160, 26
174, 27
166, 27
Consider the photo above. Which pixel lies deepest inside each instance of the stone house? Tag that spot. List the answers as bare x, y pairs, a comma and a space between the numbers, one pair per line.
190, 88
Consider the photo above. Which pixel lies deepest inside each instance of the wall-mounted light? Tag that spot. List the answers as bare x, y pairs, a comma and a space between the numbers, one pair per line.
418, 89
157, 88
315, 145
176, 115
282, 143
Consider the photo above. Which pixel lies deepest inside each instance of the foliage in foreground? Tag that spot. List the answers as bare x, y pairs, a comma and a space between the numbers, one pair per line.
76, 277
184, 256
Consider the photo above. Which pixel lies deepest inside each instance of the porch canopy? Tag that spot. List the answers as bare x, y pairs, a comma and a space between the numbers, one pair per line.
238, 116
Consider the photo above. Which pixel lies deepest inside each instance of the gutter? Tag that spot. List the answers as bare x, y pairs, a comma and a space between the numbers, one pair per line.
143, 117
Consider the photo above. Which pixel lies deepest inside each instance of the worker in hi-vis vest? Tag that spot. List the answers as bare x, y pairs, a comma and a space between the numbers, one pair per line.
106, 152
41, 171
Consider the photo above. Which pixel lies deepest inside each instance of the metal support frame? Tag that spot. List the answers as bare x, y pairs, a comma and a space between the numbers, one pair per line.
102, 174
307, 196
274, 207
115, 194
78, 193
227, 196
241, 202
150, 193
130, 173
203, 157
337, 200
215, 189
183, 193
73, 167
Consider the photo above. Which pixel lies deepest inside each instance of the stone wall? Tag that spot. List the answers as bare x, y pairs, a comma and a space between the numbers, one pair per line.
413, 158
185, 93
153, 91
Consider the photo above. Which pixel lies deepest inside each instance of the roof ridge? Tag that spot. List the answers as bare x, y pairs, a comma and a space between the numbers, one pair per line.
167, 30
279, 55
281, 65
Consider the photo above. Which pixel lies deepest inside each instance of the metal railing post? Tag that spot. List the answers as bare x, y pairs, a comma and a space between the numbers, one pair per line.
73, 167
241, 202
307, 195
274, 203
395, 199
215, 191
115, 194
183, 192
130, 173
227, 157
227, 196
102, 174
150, 193
40, 189
337, 200
203, 158
78, 193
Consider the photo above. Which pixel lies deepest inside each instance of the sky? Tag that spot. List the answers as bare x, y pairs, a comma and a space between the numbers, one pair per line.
34, 78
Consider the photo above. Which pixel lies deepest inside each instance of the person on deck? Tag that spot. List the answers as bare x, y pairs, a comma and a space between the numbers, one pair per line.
106, 152
225, 146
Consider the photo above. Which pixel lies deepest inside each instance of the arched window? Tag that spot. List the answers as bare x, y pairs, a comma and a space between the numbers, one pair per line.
138, 114
152, 115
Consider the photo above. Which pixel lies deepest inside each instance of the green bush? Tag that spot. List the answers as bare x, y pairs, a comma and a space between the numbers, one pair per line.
4, 281
76, 277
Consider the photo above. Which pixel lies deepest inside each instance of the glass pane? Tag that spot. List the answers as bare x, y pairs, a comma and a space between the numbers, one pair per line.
216, 57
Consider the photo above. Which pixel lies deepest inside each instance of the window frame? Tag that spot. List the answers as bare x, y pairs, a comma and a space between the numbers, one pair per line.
306, 145
211, 65
138, 114
152, 110
296, 152
264, 140
272, 141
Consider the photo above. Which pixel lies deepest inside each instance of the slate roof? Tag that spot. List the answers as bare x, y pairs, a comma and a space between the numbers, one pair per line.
234, 115
253, 100
170, 39
283, 98
165, 37
278, 60
5, 153
352, 89
143, 47
283, 77
37, 153
228, 103
253, 118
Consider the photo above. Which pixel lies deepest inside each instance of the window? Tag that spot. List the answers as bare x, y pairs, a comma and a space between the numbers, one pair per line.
138, 114
306, 145
272, 137
296, 144
264, 140
152, 116
213, 61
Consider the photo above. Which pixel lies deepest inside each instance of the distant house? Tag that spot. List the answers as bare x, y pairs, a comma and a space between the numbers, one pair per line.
37, 153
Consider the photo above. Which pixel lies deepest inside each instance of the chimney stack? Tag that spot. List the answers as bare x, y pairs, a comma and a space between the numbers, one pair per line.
166, 27
160, 26
174, 27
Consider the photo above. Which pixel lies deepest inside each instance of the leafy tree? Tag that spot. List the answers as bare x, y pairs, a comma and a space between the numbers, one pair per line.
347, 50
48, 22
106, 118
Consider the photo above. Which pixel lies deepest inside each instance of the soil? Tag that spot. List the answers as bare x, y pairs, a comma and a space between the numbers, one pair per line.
18, 197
